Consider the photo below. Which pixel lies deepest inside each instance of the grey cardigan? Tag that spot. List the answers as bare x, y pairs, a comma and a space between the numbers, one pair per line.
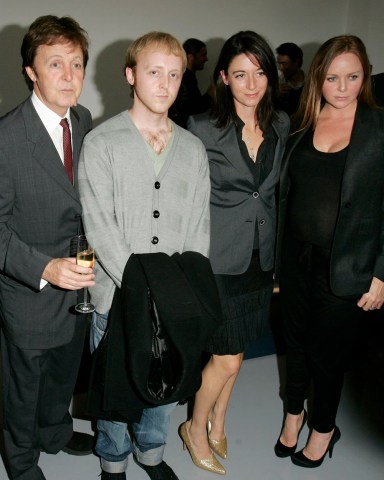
235, 205
127, 209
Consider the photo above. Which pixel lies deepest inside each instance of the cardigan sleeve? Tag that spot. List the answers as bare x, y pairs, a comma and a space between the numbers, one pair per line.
97, 198
198, 234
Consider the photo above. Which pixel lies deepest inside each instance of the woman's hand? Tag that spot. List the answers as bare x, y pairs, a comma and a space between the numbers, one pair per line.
374, 298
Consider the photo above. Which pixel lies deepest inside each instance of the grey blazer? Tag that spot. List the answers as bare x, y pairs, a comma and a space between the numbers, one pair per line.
40, 212
357, 252
235, 205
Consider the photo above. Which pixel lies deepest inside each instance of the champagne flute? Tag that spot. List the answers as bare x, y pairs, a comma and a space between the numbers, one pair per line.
85, 257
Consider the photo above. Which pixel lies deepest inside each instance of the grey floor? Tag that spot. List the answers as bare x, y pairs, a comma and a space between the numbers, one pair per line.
253, 423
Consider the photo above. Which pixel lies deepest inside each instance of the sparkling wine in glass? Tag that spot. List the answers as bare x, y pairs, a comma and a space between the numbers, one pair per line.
85, 257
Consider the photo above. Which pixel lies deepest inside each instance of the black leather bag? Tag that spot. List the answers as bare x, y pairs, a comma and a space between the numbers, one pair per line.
165, 366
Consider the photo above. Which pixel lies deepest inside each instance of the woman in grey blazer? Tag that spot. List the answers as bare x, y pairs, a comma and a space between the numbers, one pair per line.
244, 137
332, 261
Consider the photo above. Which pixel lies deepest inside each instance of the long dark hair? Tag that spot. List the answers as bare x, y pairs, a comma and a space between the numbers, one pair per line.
256, 48
311, 100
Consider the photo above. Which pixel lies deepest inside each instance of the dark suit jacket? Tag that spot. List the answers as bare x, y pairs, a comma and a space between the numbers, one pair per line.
40, 212
357, 252
185, 293
235, 206
378, 88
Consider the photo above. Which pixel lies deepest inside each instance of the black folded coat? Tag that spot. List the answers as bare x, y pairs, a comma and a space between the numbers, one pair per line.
182, 290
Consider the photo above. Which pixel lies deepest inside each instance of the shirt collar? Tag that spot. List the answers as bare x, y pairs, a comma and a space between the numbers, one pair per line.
49, 118
238, 122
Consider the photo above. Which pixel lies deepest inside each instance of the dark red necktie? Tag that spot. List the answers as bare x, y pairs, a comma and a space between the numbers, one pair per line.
67, 146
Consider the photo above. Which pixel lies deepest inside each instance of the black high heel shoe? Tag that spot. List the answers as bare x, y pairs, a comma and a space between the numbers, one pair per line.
281, 450
301, 460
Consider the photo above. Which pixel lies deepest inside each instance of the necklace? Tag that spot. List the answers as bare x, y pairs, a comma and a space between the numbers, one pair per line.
252, 152
251, 141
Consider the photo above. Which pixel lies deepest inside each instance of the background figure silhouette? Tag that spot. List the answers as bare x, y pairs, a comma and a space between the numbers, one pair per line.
190, 101
289, 61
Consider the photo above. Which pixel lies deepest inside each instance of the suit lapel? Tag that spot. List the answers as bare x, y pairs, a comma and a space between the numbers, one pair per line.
273, 175
44, 151
227, 141
361, 132
291, 144
76, 142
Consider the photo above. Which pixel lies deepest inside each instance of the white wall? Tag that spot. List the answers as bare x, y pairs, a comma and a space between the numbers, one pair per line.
113, 24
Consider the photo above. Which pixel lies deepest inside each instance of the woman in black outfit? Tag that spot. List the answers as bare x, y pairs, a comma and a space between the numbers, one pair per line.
332, 260
244, 137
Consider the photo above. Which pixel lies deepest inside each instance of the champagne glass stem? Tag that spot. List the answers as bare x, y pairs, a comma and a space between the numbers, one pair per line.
85, 296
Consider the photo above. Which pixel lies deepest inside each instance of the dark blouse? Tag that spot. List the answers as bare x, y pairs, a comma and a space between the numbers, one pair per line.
314, 194
262, 167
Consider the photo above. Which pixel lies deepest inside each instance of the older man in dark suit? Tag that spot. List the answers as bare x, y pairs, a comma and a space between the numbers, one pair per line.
40, 212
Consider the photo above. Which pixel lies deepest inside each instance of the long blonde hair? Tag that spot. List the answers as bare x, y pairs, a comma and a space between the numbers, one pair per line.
311, 100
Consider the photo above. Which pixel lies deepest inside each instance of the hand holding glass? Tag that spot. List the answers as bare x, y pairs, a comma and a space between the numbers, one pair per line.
86, 258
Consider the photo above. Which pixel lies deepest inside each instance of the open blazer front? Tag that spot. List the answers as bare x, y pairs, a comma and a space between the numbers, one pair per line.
235, 205
357, 252
184, 290
40, 212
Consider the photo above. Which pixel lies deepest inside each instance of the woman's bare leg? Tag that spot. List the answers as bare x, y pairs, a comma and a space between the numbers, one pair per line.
211, 401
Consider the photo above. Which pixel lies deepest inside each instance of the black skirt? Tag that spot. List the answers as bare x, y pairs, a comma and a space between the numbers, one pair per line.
245, 301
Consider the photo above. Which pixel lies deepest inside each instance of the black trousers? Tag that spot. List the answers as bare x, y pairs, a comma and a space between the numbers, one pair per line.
37, 389
321, 332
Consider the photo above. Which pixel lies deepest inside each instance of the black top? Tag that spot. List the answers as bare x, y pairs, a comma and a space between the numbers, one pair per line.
314, 195
262, 167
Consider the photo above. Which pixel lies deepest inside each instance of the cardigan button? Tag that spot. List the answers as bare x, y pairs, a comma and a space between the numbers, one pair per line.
157, 185
156, 214
262, 222
255, 194
155, 240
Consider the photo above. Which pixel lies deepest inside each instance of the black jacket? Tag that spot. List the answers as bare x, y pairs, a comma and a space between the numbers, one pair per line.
357, 252
185, 293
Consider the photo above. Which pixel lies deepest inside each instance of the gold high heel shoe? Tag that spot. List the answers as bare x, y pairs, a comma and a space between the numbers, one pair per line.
211, 463
218, 446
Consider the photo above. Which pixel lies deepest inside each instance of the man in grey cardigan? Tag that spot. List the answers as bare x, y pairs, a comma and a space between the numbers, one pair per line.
144, 186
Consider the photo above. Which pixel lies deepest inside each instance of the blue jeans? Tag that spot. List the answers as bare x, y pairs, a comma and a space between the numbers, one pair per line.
113, 444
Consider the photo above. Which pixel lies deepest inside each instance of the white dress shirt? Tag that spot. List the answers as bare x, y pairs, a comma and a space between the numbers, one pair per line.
51, 122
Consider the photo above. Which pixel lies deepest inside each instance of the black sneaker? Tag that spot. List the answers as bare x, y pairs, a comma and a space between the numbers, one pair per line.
112, 476
79, 444
162, 471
